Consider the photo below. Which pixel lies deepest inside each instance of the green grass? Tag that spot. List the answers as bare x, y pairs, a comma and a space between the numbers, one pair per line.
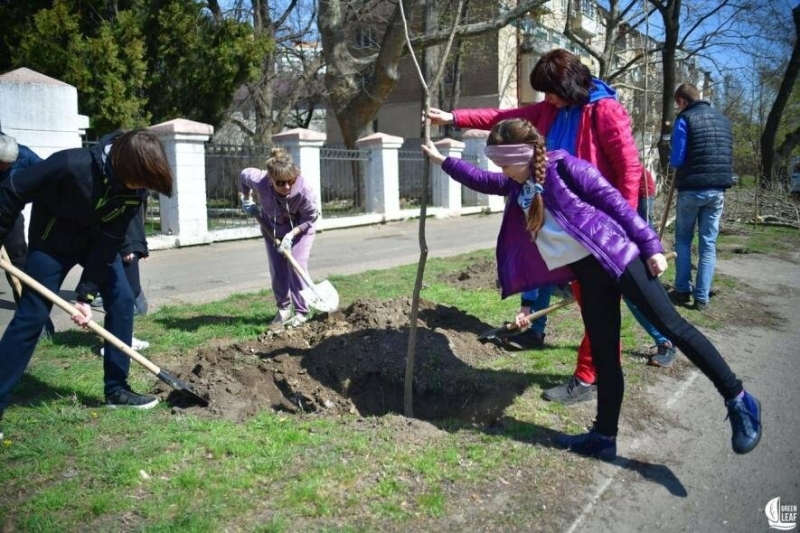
67, 464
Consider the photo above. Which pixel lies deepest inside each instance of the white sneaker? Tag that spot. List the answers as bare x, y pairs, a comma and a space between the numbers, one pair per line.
283, 316
138, 344
297, 321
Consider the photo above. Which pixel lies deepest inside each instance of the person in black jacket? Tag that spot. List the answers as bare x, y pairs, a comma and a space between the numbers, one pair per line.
83, 202
133, 249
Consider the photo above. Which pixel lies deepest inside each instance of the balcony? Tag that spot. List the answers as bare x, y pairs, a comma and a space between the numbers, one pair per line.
583, 26
535, 43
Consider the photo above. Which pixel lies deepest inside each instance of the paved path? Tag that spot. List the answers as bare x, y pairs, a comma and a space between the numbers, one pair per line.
206, 273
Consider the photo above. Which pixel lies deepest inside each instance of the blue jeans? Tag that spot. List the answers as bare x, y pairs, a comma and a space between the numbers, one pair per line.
651, 330
702, 208
22, 333
645, 210
540, 299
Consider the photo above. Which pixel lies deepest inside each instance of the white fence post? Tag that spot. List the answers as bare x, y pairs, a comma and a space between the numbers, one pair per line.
475, 142
184, 215
304, 145
382, 183
446, 191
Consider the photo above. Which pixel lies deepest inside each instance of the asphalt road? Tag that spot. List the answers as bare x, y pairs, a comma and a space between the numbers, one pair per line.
675, 476
200, 274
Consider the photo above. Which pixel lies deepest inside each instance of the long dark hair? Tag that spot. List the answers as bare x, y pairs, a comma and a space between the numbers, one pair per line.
520, 131
562, 73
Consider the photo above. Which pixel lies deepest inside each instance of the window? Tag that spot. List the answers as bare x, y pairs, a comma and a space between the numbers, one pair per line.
586, 7
366, 38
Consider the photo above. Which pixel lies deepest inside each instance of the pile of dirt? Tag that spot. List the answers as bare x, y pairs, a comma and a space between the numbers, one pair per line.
479, 275
354, 361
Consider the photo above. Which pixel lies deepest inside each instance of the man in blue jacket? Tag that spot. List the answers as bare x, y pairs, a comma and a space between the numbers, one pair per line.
13, 157
702, 154
83, 201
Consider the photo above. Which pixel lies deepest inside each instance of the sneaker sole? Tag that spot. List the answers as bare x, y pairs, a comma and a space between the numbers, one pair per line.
143, 406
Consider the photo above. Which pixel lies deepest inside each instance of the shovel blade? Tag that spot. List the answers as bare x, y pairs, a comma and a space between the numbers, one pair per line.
322, 297
182, 388
496, 333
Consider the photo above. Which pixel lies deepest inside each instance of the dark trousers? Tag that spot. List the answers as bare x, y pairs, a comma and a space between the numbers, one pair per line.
17, 249
601, 316
22, 333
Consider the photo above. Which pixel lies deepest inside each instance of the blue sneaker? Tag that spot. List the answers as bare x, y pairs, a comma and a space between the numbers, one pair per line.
591, 444
745, 416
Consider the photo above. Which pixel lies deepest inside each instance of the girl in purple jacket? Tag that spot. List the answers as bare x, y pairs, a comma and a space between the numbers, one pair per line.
289, 209
580, 227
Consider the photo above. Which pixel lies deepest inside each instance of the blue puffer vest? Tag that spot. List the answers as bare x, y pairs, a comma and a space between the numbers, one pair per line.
709, 149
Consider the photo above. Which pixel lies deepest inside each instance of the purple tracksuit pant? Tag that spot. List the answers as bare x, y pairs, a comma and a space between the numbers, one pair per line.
286, 283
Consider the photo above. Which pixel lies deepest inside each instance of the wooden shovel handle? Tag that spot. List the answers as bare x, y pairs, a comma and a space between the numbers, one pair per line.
16, 285
72, 310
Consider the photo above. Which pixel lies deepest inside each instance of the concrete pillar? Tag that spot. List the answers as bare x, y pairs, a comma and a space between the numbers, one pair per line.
304, 146
382, 183
184, 215
40, 112
475, 142
447, 191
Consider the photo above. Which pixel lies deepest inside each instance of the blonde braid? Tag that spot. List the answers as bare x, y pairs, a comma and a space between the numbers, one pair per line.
538, 167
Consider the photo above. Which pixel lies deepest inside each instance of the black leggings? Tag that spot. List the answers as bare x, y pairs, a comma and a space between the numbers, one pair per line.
601, 317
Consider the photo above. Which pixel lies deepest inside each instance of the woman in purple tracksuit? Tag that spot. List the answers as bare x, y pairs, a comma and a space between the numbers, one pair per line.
580, 227
289, 209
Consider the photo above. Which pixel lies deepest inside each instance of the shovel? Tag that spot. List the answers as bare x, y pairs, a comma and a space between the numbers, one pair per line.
321, 296
503, 331
160, 373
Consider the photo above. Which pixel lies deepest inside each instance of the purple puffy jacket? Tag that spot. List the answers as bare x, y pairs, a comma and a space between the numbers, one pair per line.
583, 202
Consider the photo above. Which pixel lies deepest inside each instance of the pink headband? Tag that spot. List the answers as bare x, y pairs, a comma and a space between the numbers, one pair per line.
509, 154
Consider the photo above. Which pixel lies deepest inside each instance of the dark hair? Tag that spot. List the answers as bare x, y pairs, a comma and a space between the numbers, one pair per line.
687, 92
562, 73
139, 160
520, 131
280, 165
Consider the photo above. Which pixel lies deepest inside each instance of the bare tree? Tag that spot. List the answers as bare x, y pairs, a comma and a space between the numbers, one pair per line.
695, 30
359, 82
408, 406
771, 157
289, 85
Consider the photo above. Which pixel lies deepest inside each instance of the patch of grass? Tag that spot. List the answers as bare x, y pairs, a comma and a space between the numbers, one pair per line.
68, 464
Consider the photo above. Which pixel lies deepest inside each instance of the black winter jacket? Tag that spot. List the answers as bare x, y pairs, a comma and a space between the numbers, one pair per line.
79, 210
709, 149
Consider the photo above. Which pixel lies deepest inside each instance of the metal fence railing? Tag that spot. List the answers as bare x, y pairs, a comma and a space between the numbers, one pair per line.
411, 163
342, 173
469, 198
224, 163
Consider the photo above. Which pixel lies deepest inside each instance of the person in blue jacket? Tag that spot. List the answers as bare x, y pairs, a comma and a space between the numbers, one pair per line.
83, 202
580, 227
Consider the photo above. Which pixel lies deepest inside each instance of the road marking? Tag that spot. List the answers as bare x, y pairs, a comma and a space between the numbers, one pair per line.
634, 445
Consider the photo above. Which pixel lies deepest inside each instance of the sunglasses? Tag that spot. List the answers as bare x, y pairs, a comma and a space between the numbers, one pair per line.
283, 183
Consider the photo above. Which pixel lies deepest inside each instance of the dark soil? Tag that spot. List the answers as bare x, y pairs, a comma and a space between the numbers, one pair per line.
354, 361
